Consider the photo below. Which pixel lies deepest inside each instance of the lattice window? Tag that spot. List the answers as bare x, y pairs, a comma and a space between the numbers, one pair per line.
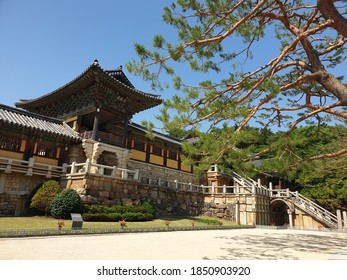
157, 151
45, 151
9, 143
172, 155
139, 145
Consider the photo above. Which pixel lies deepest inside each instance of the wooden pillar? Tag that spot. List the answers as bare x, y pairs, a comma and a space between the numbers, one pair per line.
165, 155
96, 124
125, 133
179, 160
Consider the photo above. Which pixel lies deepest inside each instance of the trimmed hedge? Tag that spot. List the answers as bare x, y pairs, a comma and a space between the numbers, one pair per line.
97, 209
115, 217
129, 213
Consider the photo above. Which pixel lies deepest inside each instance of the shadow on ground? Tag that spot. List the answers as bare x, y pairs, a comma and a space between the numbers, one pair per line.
282, 246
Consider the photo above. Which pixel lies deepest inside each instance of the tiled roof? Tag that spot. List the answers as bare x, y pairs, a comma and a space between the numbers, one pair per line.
115, 77
157, 134
20, 118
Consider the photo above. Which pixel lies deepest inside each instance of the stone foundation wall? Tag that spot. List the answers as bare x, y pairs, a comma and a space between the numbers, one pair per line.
15, 189
242, 209
220, 210
96, 189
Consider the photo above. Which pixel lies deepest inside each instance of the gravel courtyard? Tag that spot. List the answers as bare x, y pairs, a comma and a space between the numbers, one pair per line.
238, 244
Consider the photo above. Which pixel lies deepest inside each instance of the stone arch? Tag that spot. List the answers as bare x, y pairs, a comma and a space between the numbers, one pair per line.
280, 210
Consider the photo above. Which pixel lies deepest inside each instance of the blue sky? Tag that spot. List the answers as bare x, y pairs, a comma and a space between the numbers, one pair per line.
45, 44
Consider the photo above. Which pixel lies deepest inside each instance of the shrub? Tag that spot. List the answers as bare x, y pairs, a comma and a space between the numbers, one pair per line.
33, 211
149, 208
101, 217
136, 217
114, 209
95, 209
66, 202
116, 217
44, 196
129, 213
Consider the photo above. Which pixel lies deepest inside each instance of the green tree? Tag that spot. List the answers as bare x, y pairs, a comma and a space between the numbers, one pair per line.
65, 203
324, 179
294, 80
44, 196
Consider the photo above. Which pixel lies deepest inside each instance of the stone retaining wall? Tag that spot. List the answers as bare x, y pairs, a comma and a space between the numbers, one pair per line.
219, 210
95, 189
15, 189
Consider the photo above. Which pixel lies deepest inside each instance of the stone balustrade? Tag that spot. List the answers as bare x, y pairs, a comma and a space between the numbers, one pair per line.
31, 167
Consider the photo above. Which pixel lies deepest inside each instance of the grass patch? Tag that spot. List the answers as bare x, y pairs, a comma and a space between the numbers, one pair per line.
40, 222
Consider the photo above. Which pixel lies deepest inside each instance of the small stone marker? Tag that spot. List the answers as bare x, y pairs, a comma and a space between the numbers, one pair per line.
77, 221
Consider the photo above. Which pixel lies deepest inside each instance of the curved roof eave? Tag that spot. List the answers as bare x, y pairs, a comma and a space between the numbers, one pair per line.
88, 77
49, 126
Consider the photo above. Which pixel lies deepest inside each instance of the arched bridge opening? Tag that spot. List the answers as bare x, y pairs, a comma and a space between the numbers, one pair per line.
279, 212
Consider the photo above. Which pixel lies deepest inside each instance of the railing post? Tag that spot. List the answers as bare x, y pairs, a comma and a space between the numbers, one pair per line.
212, 189
270, 188
49, 172
87, 166
176, 184
72, 171
114, 171
224, 189
101, 170
159, 182
64, 170
137, 174
9, 166
253, 189
30, 167
190, 187
339, 219
287, 192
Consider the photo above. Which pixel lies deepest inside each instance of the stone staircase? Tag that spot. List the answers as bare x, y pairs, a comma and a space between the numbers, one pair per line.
303, 203
314, 210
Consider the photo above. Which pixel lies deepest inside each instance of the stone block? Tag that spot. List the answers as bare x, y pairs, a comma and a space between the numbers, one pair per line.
222, 206
127, 201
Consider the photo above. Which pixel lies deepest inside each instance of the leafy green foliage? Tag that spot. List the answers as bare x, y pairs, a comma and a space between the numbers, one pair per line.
114, 209
236, 77
115, 213
44, 196
324, 180
149, 208
65, 203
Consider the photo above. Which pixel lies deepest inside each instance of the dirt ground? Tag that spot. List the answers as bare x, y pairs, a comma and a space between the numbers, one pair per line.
237, 244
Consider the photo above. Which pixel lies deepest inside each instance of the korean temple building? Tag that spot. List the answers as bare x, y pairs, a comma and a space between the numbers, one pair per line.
82, 135
84, 128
